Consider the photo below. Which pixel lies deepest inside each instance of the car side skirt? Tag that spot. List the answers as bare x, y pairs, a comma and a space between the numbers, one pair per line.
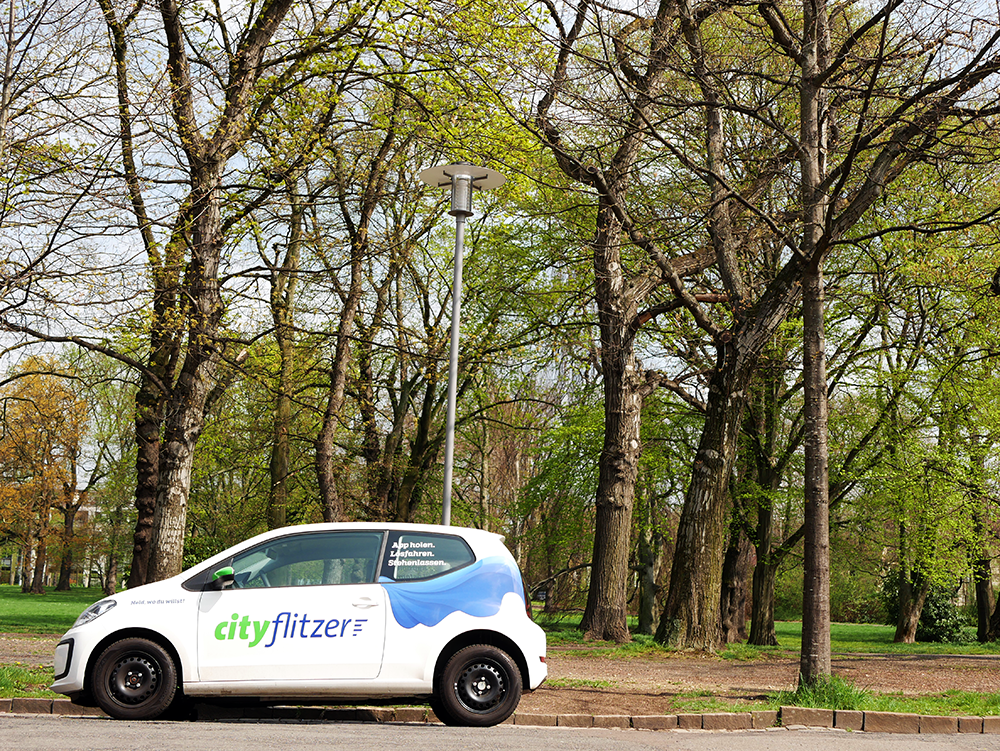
308, 689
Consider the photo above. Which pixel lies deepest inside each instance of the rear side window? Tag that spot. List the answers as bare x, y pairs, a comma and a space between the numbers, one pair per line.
410, 556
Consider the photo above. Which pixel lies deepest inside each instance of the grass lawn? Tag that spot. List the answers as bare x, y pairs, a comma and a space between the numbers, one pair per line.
51, 613
859, 638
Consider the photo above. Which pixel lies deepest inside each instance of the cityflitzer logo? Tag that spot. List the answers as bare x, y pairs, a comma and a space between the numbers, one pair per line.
287, 626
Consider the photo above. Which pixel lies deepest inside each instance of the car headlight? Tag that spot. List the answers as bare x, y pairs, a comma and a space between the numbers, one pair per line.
94, 611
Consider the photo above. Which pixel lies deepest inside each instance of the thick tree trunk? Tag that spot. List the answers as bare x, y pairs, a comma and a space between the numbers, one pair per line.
911, 604
690, 616
762, 632
993, 633
183, 428
605, 614
733, 601
149, 403
185, 415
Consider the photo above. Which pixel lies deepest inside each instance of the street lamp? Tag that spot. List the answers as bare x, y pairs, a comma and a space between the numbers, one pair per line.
463, 178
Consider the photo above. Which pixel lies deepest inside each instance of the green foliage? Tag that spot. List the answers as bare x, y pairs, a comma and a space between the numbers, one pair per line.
940, 620
788, 594
831, 692
854, 590
19, 680
558, 503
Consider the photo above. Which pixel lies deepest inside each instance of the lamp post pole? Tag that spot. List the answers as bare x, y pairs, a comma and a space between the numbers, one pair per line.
462, 178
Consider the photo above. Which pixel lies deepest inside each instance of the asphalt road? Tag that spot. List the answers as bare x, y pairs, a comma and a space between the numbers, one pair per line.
52, 733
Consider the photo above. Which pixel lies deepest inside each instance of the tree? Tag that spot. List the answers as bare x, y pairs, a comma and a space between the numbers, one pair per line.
259, 59
885, 113
43, 430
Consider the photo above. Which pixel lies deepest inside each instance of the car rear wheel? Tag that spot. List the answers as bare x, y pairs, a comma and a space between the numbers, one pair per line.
134, 679
479, 686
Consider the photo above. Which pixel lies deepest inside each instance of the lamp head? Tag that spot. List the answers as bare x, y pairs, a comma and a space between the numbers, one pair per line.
462, 178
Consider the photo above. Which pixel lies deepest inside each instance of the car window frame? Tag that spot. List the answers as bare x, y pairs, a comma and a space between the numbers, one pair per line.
393, 535
202, 581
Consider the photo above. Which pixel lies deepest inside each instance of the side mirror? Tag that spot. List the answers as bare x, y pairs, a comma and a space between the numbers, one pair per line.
224, 578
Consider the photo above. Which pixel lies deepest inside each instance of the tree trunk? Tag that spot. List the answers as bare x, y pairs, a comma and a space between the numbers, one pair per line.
605, 614
68, 541
814, 663
983, 576
284, 284
164, 337
910, 607
690, 616
25, 565
762, 633
111, 579
650, 559
149, 404
982, 568
993, 633
733, 601
185, 415
984, 597
183, 428
38, 575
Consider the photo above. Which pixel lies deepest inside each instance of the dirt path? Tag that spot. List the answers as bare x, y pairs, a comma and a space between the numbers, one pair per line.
653, 686
583, 683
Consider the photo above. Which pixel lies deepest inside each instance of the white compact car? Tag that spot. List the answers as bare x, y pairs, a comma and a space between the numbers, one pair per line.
318, 612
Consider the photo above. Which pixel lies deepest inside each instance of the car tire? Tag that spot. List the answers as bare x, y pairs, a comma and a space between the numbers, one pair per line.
479, 686
134, 679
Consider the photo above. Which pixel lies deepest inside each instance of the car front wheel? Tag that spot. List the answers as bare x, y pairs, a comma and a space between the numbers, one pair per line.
134, 679
479, 686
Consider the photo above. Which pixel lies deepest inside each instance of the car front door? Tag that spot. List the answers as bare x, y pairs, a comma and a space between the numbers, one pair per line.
302, 607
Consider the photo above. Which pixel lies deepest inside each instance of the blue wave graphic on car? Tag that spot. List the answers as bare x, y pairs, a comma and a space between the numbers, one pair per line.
476, 590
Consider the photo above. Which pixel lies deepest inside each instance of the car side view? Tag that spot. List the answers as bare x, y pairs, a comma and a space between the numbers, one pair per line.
314, 613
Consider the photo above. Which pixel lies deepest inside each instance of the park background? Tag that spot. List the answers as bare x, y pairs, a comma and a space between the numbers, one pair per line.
737, 298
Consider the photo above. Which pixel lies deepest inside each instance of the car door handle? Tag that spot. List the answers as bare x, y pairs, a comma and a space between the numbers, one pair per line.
365, 603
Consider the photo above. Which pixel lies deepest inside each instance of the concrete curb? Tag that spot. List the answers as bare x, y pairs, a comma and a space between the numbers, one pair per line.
787, 718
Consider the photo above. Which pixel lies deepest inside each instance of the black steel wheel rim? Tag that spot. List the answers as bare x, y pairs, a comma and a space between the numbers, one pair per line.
481, 686
134, 679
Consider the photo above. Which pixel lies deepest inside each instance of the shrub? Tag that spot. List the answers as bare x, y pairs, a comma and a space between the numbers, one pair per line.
940, 619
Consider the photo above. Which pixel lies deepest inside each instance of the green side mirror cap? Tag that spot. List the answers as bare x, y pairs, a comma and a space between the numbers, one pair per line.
223, 578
